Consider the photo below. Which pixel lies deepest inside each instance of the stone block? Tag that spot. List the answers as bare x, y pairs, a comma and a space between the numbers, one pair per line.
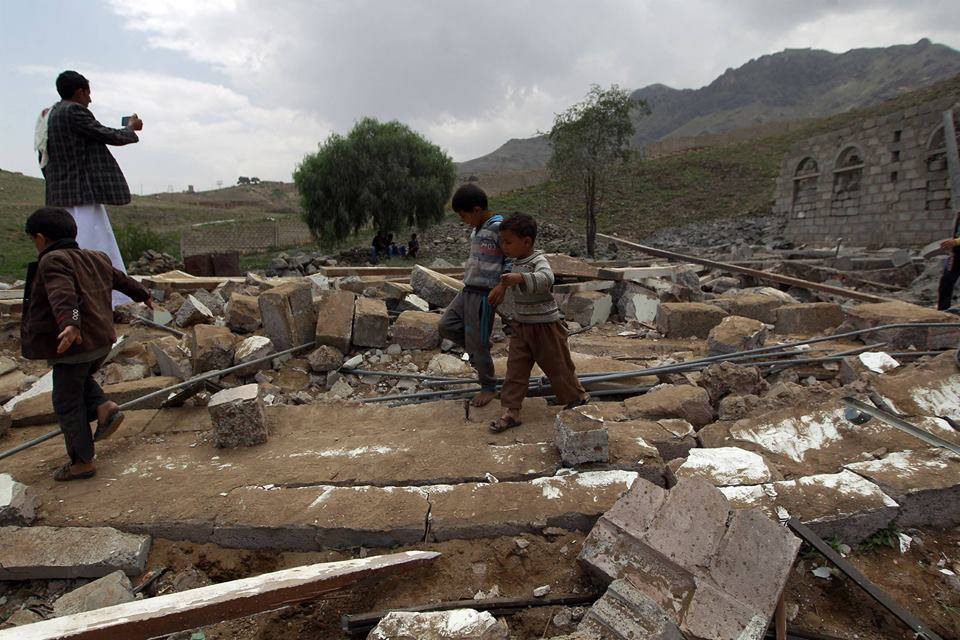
671, 438
686, 402
735, 334
238, 417
586, 308
581, 436
867, 316
809, 318
625, 612
192, 312
370, 322
210, 300
58, 553
456, 624
18, 502
416, 330
288, 315
335, 319
635, 302
760, 303
724, 378
724, 466
325, 358
251, 349
437, 289
211, 347
700, 510
242, 313
711, 613
108, 591
413, 302
688, 319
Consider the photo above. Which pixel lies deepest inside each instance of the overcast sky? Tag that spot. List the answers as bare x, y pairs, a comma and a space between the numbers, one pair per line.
246, 87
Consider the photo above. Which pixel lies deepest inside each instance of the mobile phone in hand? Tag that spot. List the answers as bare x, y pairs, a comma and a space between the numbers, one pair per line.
124, 121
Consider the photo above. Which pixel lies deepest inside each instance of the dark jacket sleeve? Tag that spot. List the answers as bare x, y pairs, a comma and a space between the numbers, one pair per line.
127, 285
56, 274
85, 125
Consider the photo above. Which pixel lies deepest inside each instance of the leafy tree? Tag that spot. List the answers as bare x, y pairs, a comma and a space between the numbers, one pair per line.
254, 180
381, 173
243, 180
588, 140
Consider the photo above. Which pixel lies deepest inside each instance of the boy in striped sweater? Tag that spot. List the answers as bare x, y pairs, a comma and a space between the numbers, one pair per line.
538, 334
468, 320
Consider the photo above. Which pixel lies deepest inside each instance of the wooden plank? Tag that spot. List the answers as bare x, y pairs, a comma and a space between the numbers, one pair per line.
191, 283
761, 275
175, 612
589, 285
637, 273
339, 272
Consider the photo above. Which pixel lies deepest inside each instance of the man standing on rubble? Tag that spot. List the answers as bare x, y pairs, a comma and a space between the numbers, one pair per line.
951, 271
81, 174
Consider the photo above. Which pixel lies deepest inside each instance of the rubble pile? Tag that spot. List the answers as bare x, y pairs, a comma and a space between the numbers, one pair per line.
152, 262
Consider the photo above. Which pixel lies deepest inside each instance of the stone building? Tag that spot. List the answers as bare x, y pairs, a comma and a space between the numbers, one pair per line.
882, 181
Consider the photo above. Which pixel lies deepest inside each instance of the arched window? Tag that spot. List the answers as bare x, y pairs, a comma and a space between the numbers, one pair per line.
805, 179
847, 175
938, 177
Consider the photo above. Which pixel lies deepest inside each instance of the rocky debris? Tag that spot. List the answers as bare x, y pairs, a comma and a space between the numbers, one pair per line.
865, 316
456, 624
688, 319
736, 333
251, 349
635, 302
713, 573
152, 262
437, 289
370, 323
108, 591
242, 313
671, 438
686, 402
5, 422
626, 612
413, 302
299, 263
20, 618
115, 372
54, 553
288, 314
724, 378
808, 318
211, 348
586, 308
448, 365
325, 358
18, 502
923, 389
581, 437
724, 467
335, 319
192, 312
416, 330
736, 407
760, 303
238, 417
211, 301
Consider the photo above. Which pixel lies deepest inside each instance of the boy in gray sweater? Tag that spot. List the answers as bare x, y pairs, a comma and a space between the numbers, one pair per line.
538, 334
468, 320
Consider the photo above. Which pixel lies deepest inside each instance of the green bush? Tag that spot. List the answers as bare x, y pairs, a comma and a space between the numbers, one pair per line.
134, 239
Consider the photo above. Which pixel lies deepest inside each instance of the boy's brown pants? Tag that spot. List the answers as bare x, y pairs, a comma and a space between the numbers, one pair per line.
544, 344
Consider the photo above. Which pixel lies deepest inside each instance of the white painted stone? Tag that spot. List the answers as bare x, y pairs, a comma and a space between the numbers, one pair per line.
878, 361
18, 502
256, 346
458, 624
241, 394
794, 437
725, 466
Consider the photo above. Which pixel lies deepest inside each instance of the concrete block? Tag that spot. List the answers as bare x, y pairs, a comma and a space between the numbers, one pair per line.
242, 313
210, 300
192, 312
581, 437
586, 308
697, 508
325, 358
288, 315
250, 349
809, 318
635, 302
760, 303
335, 319
108, 591
724, 378
688, 319
413, 302
734, 334
56, 553
238, 417
866, 316
18, 502
625, 612
416, 330
724, 466
211, 347
437, 289
686, 402
456, 624
370, 322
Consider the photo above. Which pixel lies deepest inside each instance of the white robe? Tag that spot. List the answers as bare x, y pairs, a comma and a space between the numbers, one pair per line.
94, 232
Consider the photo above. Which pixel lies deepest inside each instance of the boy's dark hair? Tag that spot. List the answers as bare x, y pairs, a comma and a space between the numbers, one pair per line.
53, 222
469, 196
68, 82
520, 225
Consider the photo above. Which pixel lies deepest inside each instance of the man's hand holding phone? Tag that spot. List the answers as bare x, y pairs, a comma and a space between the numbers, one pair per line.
132, 122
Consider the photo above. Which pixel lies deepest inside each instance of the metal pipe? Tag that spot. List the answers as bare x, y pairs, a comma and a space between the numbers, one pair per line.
157, 325
397, 374
860, 413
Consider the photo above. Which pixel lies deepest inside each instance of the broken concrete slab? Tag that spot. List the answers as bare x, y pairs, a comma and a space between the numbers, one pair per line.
18, 502
288, 315
924, 482
416, 330
437, 289
697, 508
724, 466
107, 591
688, 319
759, 303
413, 302
734, 334
625, 612
456, 624
672, 438
808, 319
370, 322
581, 436
242, 313
586, 308
335, 319
11, 383
238, 417
192, 312
635, 302
53, 553
211, 347
686, 402
865, 316
923, 389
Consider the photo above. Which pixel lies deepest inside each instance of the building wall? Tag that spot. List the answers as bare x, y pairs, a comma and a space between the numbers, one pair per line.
880, 182
246, 236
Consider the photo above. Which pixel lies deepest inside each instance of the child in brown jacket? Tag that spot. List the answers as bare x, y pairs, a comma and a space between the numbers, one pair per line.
538, 335
68, 321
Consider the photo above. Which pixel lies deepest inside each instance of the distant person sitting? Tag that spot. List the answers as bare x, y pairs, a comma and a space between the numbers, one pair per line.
81, 174
377, 248
413, 247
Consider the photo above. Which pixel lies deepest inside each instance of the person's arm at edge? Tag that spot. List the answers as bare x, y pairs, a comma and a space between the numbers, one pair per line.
86, 125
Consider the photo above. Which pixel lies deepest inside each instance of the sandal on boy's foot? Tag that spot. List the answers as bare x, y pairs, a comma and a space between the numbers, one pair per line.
63, 474
577, 403
109, 426
502, 424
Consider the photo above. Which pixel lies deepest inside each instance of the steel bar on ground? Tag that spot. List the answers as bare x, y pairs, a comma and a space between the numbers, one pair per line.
875, 592
157, 325
860, 408
397, 374
762, 275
